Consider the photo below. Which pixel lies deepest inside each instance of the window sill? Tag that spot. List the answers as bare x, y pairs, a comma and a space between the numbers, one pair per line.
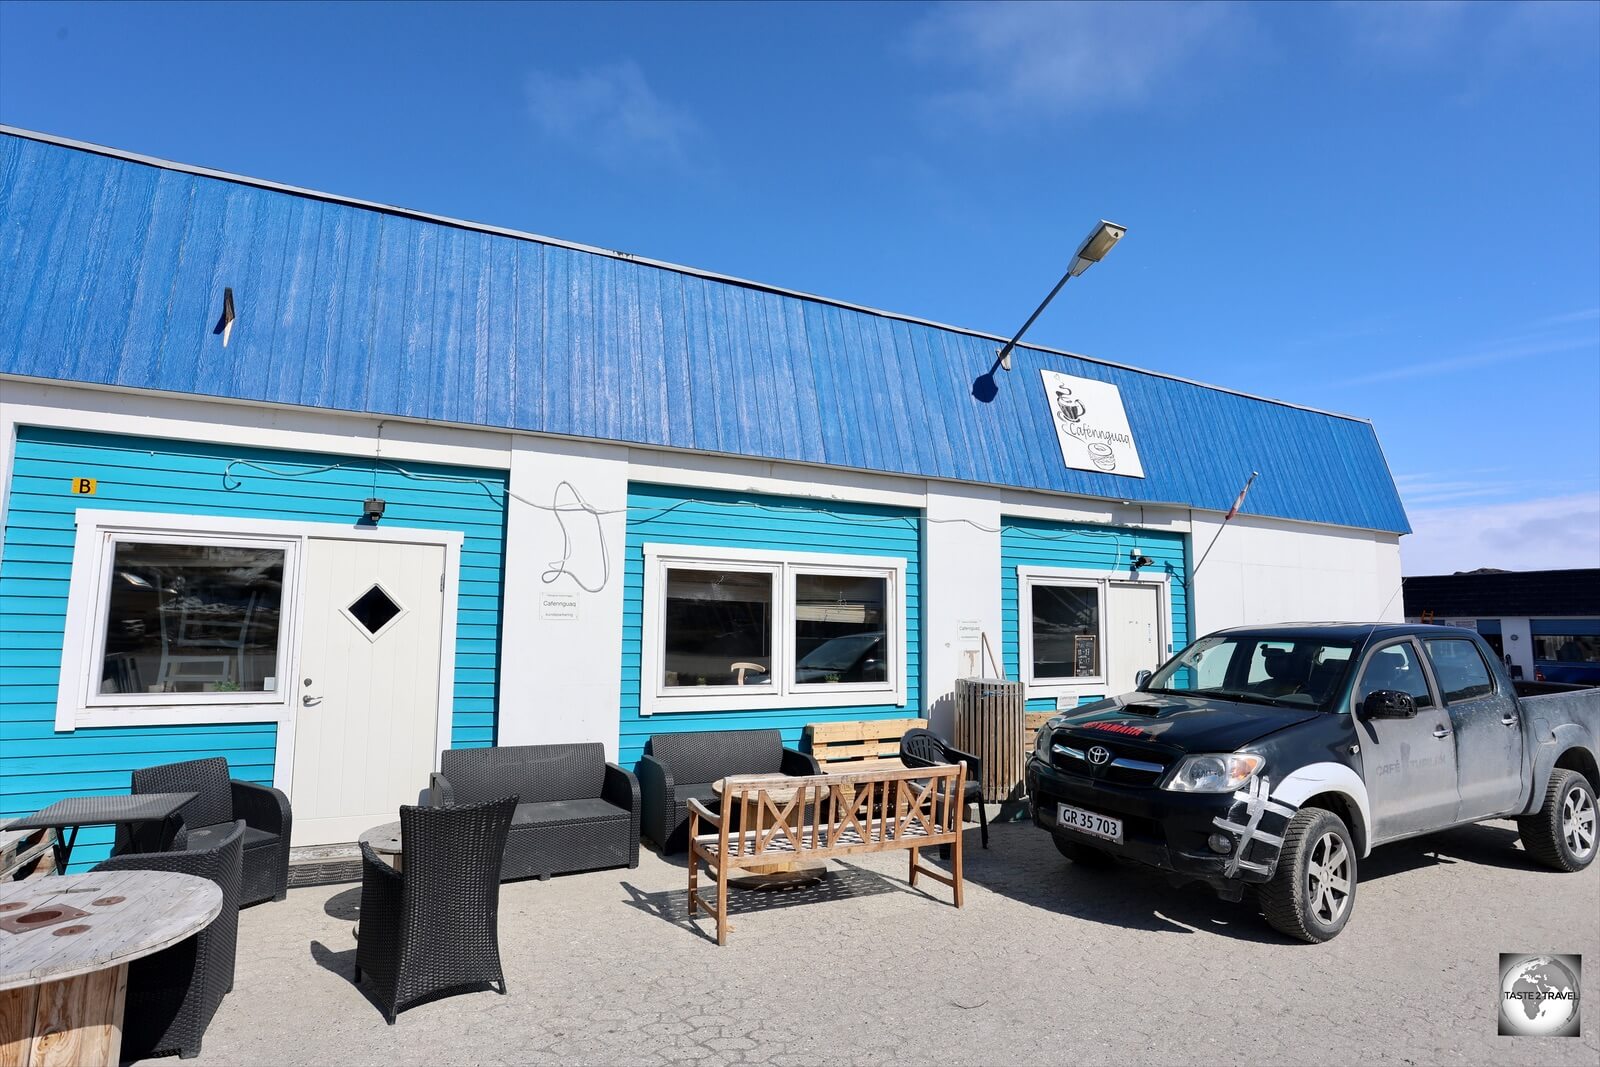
737, 703
1075, 687
171, 715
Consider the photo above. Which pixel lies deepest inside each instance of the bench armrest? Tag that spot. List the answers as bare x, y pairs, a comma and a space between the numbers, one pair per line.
658, 802
974, 764
698, 809
621, 788
440, 795
798, 764
261, 807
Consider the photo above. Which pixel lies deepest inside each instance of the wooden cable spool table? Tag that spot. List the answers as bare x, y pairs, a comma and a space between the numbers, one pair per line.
65, 945
783, 874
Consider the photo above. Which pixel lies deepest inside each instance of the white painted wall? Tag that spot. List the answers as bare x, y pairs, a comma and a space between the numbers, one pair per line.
1268, 571
1516, 637
961, 561
561, 677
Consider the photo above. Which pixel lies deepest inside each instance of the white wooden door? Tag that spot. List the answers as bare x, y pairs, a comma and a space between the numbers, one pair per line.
367, 701
1133, 632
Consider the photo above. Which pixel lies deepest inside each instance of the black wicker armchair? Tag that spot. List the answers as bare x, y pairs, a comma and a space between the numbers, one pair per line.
679, 767
435, 927
173, 994
577, 812
924, 748
210, 816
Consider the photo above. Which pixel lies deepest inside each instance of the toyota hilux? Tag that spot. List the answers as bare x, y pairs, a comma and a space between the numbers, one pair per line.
1276, 758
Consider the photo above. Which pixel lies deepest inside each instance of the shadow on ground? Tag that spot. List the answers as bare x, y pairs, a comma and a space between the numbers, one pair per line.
1488, 844
844, 882
1023, 864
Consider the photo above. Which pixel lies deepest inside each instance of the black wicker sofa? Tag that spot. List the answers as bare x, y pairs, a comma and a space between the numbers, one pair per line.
576, 811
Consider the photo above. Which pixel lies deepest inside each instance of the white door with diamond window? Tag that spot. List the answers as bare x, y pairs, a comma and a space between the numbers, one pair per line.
366, 710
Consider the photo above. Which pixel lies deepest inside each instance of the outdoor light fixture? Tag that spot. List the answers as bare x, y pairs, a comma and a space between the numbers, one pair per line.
373, 509
1139, 561
1093, 250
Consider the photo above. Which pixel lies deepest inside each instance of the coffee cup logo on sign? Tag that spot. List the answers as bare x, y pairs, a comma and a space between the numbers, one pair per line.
1091, 425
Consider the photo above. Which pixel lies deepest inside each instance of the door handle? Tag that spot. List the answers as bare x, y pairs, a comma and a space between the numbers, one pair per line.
1440, 732
1509, 720
310, 701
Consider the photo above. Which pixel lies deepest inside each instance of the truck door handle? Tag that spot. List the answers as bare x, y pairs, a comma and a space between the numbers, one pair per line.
1440, 732
1509, 720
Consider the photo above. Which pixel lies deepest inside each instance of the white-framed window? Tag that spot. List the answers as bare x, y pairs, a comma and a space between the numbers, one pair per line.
1070, 639
1063, 625
170, 621
735, 629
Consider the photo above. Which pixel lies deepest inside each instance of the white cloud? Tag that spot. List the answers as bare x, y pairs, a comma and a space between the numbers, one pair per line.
1060, 58
612, 112
1553, 532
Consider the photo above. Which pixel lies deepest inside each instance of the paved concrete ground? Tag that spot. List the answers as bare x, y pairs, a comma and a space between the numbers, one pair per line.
1047, 963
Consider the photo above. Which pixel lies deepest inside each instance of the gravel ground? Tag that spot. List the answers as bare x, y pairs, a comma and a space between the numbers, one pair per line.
1047, 963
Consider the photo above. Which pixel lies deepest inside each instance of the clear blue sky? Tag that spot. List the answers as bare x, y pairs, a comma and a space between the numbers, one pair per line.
1386, 210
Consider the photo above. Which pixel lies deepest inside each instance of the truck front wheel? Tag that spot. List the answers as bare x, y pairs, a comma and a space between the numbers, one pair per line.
1313, 891
1561, 834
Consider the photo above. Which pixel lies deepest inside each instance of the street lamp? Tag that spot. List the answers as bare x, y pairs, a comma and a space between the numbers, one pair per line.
1093, 250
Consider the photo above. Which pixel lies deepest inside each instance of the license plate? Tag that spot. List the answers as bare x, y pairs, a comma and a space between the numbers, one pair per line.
1088, 822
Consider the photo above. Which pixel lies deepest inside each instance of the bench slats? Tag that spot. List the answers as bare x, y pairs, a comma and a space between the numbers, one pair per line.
820, 817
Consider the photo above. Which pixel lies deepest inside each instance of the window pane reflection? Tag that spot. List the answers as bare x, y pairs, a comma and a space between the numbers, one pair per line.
185, 618
1066, 631
718, 628
839, 631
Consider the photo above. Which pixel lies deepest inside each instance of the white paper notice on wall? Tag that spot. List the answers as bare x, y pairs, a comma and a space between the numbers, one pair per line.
559, 607
1091, 425
969, 634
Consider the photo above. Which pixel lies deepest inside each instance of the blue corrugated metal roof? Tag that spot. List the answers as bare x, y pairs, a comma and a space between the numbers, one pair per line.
116, 266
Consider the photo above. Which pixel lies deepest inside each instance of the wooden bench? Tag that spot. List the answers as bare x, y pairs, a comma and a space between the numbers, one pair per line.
872, 744
825, 817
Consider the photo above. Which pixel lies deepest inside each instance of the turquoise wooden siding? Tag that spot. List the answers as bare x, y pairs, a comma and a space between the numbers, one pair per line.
676, 516
1097, 551
39, 766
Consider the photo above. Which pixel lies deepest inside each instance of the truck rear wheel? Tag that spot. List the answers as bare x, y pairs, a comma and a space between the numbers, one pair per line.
1313, 891
1081, 854
1561, 834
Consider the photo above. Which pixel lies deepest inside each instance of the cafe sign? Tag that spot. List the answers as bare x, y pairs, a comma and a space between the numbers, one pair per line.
1091, 425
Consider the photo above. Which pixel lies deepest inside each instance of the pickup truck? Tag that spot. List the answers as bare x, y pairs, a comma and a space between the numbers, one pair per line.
1276, 758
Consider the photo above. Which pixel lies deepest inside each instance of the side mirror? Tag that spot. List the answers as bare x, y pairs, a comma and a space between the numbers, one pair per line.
1141, 678
1388, 704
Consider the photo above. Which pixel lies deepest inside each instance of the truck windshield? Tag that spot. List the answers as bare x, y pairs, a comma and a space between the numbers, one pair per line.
1292, 671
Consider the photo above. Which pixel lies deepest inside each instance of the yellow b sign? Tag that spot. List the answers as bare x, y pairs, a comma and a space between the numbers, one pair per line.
83, 486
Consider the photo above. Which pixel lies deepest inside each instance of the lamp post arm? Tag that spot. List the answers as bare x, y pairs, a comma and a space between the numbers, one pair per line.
1005, 353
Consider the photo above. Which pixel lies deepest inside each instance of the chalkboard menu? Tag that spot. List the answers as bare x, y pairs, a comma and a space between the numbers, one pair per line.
1084, 660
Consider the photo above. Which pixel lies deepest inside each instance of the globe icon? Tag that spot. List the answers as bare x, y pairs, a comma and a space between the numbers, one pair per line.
1538, 997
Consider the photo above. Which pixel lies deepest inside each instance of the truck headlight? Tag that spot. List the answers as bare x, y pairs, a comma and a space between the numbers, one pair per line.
1041, 742
1221, 773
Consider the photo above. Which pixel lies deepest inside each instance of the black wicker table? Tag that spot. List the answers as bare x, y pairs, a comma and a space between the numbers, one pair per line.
66, 816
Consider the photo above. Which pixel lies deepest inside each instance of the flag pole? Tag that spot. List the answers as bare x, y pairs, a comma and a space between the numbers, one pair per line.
1238, 503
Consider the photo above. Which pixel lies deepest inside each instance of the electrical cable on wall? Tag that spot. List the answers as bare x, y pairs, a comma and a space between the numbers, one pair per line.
578, 503
559, 567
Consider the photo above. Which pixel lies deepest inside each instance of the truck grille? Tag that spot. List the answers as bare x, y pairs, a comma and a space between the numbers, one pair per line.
1072, 756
